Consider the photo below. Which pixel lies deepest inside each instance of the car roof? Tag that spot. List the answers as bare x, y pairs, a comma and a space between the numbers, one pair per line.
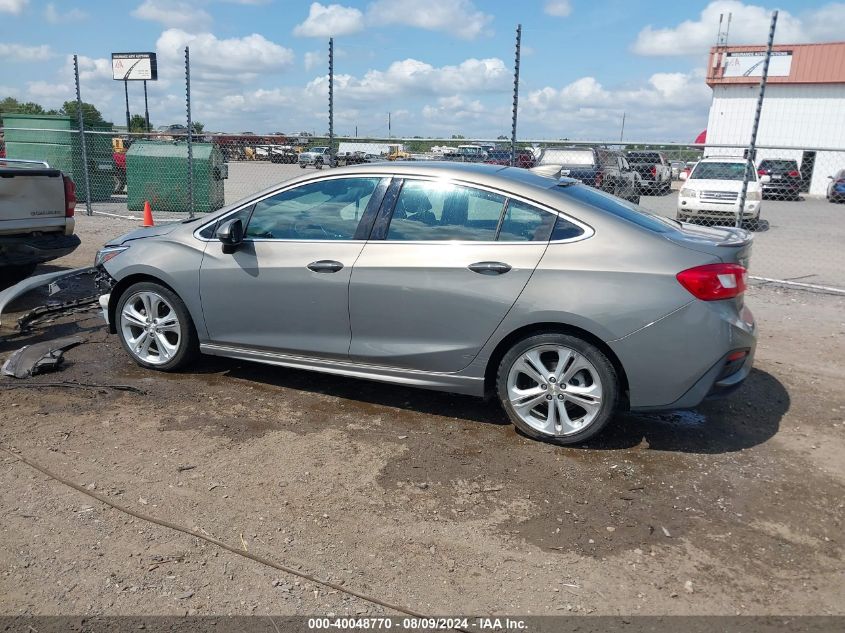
495, 176
723, 159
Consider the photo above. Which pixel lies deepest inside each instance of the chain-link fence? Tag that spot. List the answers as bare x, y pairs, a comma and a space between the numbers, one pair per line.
791, 199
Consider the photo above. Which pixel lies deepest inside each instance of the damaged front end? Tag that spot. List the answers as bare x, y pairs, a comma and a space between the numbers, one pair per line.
57, 282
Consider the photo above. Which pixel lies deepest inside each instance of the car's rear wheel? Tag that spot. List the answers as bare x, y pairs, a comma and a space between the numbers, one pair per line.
155, 328
557, 387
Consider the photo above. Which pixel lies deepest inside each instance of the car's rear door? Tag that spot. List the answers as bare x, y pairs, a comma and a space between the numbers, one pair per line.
440, 273
286, 288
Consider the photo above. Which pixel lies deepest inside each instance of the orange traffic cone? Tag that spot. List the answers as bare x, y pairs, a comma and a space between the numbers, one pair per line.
148, 214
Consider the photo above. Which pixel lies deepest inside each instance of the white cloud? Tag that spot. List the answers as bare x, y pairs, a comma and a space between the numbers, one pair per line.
249, 2
15, 7
749, 25
313, 59
225, 60
174, 14
458, 17
330, 21
19, 52
412, 77
558, 8
669, 106
54, 16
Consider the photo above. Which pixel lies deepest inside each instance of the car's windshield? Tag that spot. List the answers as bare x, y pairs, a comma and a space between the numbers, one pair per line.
720, 171
318, 149
618, 207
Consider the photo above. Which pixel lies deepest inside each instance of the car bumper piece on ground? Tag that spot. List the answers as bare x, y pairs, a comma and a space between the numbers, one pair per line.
21, 288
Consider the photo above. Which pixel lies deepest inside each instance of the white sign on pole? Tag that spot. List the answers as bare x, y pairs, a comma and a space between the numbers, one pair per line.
134, 66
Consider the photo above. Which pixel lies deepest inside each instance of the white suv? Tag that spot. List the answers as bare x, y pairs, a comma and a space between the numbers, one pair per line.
712, 190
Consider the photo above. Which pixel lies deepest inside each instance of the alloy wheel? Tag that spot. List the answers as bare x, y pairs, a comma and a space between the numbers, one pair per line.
150, 327
555, 390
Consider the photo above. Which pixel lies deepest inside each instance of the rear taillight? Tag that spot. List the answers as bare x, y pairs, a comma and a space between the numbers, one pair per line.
70, 197
762, 172
654, 171
599, 177
793, 174
714, 282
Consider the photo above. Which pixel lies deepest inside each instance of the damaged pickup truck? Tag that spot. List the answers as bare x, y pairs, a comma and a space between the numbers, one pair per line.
36, 217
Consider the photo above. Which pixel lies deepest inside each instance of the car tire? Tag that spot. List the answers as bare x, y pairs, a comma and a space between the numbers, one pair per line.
141, 307
302, 165
593, 383
318, 164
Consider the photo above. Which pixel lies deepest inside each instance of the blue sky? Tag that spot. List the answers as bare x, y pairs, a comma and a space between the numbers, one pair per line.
441, 67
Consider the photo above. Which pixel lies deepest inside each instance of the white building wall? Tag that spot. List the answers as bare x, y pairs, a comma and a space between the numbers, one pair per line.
796, 115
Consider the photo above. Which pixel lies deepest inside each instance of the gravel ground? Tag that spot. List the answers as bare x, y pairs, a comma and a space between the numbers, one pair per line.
424, 499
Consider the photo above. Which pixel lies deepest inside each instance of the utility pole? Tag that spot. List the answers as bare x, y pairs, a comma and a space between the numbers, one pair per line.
622, 132
331, 102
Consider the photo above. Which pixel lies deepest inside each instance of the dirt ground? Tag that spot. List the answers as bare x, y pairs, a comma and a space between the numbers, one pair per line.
419, 498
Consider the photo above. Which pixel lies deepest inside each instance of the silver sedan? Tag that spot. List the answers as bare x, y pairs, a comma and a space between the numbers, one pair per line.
565, 302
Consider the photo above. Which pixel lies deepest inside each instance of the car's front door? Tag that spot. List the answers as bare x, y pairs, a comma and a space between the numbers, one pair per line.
286, 287
439, 275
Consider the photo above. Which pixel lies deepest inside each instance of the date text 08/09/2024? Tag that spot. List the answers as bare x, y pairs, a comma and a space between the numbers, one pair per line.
418, 624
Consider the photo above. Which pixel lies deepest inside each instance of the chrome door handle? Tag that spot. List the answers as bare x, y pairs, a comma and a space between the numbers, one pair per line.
325, 266
489, 268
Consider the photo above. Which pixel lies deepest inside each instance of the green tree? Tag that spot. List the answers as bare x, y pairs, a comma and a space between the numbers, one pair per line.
10, 104
198, 126
90, 114
137, 123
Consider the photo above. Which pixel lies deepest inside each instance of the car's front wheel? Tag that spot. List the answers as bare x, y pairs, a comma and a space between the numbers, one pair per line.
155, 328
557, 387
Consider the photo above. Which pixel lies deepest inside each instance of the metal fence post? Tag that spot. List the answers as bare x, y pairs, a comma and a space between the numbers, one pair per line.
81, 123
515, 93
752, 146
331, 102
190, 133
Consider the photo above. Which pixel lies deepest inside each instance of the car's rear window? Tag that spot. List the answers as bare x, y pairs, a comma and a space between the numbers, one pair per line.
568, 157
643, 157
779, 165
619, 208
720, 171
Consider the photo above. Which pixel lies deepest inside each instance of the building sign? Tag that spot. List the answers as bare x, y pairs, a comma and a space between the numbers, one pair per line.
750, 64
134, 66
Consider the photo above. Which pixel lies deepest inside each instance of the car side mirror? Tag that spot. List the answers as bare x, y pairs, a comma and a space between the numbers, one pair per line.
231, 235
682, 175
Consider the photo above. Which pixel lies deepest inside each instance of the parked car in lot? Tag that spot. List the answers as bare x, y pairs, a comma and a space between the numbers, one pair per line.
604, 169
654, 170
316, 156
836, 188
677, 167
524, 158
567, 303
37, 205
712, 190
780, 178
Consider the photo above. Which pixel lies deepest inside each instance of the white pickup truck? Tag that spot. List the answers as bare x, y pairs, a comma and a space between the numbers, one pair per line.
36, 217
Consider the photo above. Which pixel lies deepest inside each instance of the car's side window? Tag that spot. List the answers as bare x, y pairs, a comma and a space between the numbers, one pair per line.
324, 210
525, 223
440, 211
210, 231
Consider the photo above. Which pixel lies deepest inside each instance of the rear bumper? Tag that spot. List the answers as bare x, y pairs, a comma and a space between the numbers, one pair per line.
679, 361
17, 250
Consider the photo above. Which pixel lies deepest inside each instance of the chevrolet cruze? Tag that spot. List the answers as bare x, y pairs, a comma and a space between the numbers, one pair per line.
564, 302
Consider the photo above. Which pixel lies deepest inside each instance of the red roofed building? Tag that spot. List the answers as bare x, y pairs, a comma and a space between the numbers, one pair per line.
803, 116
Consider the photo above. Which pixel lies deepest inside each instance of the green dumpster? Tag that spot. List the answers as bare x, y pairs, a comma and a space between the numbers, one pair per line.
56, 139
157, 171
